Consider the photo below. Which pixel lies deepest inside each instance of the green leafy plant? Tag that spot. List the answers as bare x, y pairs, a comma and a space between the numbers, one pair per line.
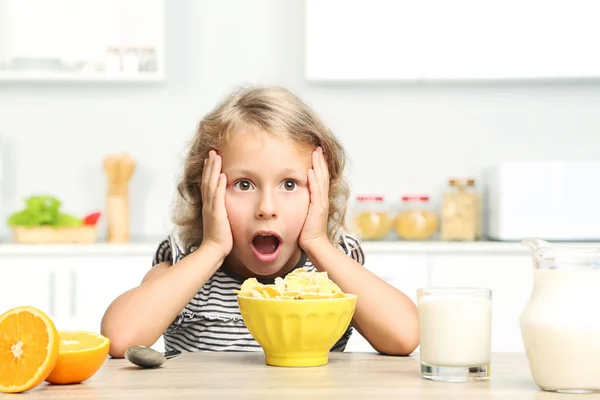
43, 211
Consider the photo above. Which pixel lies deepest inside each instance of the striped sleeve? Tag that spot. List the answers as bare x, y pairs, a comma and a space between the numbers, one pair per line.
163, 253
351, 246
343, 341
168, 250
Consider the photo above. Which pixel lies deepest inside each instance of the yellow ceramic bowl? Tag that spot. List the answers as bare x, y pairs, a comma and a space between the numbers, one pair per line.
297, 333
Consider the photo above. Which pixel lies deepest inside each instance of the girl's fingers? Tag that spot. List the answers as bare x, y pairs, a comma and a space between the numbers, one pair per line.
210, 167
215, 176
210, 180
203, 181
317, 164
321, 175
220, 191
324, 172
313, 187
206, 178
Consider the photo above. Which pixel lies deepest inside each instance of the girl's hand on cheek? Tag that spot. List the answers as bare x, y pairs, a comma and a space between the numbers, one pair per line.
216, 230
314, 230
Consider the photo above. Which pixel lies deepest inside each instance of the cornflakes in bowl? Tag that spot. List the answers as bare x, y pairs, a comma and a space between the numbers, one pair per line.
297, 319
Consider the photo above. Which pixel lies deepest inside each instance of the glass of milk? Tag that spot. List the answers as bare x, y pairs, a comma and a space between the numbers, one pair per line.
455, 333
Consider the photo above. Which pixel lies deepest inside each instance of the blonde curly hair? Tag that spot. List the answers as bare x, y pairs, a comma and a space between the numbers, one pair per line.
279, 112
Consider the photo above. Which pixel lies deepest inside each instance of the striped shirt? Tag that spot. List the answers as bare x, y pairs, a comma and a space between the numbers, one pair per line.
211, 321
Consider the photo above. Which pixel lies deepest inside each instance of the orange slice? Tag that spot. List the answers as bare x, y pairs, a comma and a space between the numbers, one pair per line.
81, 356
28, 348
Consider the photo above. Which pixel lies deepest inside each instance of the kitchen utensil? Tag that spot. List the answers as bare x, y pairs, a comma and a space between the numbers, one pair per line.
146, 357
119, 168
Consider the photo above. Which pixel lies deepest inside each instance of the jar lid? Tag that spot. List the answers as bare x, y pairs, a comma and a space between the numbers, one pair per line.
369, 198
415, 198
461, 182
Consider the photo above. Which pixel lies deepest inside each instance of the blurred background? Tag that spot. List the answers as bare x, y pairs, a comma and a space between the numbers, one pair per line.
84, 79
468, 124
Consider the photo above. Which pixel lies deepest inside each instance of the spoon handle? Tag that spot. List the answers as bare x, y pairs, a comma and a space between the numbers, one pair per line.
171, 354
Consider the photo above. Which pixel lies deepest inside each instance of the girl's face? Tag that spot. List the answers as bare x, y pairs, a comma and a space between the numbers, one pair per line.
267, 200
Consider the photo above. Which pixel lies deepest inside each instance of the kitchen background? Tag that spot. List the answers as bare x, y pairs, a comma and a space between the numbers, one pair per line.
404, 135
402, 138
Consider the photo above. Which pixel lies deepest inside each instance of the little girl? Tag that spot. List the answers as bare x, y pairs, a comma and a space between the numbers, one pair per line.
262, 194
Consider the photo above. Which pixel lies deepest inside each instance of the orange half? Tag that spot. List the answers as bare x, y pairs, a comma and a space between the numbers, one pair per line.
81, 356
28, 349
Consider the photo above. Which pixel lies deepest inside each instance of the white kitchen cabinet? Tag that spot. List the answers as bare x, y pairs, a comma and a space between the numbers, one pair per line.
433, 40
28, 281
125, 39
406, 272
96, 281
74, 291
509, 276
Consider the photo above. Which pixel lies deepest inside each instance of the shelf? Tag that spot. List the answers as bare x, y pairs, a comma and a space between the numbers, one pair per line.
146, 247
32, 76
97, 249
438, 247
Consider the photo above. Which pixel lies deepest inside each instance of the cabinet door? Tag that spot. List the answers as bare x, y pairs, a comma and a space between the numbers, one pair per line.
406, 272
27, 281
94, 282
428, 46
509, 276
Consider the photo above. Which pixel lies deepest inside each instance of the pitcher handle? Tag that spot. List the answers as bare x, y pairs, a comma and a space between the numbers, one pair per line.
535, 244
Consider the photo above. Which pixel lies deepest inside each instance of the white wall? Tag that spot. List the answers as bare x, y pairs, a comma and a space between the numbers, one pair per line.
401, 138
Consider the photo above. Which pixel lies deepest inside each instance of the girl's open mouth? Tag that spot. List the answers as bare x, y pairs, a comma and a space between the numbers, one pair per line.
266, 245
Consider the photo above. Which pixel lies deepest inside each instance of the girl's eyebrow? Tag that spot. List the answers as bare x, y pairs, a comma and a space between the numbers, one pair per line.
289, 171
238, 171
246, 172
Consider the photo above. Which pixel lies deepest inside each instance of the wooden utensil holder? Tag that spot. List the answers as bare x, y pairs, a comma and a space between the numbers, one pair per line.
118, 218
119, 169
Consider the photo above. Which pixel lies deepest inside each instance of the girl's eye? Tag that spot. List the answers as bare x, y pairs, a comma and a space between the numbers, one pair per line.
289, 185
243, 185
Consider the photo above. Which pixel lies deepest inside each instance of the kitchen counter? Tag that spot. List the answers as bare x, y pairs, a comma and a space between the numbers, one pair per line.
147, 247
245, 376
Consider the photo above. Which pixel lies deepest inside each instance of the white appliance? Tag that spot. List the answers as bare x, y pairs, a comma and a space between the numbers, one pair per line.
550, 200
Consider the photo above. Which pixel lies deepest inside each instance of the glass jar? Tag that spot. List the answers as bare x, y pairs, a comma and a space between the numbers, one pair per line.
461, 218
416, 221
371, 218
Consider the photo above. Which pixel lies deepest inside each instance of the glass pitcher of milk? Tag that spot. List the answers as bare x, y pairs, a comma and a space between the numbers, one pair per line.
560, 325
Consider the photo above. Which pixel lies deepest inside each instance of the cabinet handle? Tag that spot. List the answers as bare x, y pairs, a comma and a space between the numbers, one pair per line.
51, 294
73, 294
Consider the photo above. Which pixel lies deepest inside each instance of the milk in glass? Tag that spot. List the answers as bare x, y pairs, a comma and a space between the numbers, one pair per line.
455, 333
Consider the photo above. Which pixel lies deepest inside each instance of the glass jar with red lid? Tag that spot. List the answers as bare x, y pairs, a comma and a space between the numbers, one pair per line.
371, 219
416, 220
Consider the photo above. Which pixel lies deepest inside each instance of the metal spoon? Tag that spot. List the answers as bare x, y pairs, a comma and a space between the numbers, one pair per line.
147, 357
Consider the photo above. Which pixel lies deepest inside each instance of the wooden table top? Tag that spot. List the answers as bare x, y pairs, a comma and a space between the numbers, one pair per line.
206, 375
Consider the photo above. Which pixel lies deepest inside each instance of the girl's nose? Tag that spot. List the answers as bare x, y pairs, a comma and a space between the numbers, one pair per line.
266, 207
